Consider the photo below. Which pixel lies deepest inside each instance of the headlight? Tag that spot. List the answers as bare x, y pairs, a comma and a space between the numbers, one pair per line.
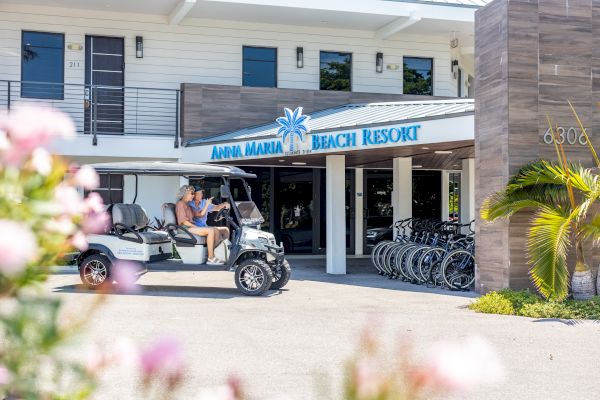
263, 240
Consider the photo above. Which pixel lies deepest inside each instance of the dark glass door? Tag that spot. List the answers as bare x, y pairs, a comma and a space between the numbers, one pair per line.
378, 212
427, 194
294, 206
104, 79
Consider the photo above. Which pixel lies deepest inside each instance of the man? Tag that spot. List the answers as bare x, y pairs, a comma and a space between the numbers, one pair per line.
201, 207
185, 217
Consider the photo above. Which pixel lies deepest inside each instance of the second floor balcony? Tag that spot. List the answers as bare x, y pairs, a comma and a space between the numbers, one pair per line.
110, 120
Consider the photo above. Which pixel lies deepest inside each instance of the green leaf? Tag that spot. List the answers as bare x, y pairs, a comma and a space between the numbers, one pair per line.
548, 246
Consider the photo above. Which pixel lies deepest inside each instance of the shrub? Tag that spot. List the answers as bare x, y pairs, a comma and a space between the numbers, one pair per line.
493, 303
526, 304
547, 309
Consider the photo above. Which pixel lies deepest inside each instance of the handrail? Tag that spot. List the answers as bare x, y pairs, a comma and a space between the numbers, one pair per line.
100, 110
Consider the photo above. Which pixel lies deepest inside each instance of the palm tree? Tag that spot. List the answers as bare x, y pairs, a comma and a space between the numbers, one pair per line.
561, 195
558, 224
293, 124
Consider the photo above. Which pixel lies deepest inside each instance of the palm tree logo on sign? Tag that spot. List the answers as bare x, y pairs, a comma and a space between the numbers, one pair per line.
292, 125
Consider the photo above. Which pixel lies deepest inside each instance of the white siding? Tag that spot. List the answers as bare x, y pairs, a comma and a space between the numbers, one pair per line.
210, 51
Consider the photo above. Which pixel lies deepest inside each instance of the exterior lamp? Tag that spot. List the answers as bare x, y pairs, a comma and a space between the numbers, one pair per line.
139, 47
379, 63
299, 57
454, 68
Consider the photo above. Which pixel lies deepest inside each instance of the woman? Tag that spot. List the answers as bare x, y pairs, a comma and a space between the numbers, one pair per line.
185, 217
201, 207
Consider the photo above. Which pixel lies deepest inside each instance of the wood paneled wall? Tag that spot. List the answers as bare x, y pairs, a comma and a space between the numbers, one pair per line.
531, 56
211, 109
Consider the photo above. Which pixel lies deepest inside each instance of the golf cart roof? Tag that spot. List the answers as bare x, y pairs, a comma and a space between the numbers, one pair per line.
164, 168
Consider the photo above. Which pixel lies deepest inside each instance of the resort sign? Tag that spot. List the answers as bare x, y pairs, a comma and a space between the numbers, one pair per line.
293, 132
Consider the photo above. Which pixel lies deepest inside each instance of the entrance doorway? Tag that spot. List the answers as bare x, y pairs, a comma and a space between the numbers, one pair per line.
104, 81
294, 209
378, 212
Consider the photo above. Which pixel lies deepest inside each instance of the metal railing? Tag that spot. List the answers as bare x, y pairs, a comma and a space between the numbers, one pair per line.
103, 110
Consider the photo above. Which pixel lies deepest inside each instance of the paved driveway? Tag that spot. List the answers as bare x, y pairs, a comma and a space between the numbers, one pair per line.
294, 342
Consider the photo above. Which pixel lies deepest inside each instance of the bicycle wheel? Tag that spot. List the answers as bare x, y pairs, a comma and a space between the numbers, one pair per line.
401, 261
413, 262
458, 269
426, 261
375, 255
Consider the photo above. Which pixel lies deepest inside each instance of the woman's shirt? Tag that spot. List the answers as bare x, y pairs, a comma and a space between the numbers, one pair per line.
183, 213
200, 221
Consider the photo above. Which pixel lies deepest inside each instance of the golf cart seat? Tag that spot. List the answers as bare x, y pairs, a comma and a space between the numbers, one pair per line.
191, 248
130, 222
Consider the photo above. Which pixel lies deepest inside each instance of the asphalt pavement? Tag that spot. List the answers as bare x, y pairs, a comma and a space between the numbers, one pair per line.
294, 342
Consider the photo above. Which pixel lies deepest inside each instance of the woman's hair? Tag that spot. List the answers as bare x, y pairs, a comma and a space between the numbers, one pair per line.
182, 191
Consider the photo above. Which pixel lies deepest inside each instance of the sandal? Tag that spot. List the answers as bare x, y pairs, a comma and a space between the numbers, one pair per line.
214, 260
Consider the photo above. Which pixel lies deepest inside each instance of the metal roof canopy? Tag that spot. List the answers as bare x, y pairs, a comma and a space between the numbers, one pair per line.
352, 116
162, 168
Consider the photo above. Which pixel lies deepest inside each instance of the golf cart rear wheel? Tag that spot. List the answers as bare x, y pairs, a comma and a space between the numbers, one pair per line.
281, 275
95, 271
253, 277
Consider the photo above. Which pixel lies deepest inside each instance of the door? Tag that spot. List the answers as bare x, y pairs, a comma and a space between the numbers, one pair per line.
104, 80
378, 212
294, 209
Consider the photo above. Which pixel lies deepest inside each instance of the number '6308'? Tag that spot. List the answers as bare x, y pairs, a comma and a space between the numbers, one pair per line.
570, 135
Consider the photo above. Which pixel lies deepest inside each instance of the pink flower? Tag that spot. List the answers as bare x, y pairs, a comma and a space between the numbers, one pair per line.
79, 240
163, 358
125, 273
4, 375
41, 161
63, 225
18, 246
368, 379
94, 202
462, 366
87, 177
125, 352
95, 222
28, 127
69, 200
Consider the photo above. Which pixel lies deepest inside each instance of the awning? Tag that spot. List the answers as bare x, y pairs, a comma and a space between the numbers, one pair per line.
378, 131
355, 116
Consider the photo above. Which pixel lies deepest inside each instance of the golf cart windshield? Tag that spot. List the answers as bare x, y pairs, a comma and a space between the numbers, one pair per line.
249, 214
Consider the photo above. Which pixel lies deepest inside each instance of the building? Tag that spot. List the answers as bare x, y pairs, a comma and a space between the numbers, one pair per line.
383, 80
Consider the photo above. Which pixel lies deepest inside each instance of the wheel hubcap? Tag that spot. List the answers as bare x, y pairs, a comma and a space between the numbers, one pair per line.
251, 277
95, 272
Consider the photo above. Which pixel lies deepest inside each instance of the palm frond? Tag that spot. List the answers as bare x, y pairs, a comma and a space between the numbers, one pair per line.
548, 245
504, 205
592, 229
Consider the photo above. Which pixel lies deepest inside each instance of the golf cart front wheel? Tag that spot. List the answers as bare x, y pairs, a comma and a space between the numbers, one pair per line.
281, 275
253, 277
95, 271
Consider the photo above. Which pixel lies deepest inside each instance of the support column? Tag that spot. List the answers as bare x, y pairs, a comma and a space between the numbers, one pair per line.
402, 193
467, 191
445, 196
335, 192
359, 202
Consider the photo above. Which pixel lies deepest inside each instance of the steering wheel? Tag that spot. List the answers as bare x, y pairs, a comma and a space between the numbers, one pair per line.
223, 213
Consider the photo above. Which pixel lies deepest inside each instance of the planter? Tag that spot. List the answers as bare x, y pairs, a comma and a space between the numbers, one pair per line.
582, 285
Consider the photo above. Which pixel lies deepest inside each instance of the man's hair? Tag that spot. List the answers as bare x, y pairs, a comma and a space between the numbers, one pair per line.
183, 190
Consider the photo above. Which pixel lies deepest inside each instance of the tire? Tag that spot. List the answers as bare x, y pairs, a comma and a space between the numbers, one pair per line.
281, 275
253, 277
458, 270
95, 271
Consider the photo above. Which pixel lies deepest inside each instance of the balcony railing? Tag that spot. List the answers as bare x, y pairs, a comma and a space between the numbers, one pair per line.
103, 110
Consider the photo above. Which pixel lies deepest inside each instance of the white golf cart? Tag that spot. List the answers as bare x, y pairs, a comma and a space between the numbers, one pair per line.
254, 256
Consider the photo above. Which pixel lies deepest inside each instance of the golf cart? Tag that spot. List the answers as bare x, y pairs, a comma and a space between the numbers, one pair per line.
254, 256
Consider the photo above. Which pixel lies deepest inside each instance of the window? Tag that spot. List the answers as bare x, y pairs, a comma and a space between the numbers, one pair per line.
42, 61
259, 66
418, 76
336, 71
112, 193
454, 196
